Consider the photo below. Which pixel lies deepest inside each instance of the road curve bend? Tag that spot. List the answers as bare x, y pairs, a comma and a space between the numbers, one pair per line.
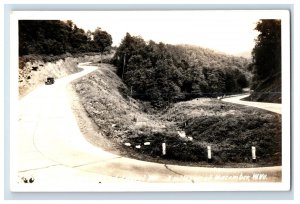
273, 107
52, 150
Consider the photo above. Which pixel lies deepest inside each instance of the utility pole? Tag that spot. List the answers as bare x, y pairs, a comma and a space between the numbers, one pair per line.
130, 95
124, 59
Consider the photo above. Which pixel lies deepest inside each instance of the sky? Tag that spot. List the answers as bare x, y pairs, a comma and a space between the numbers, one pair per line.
225, 31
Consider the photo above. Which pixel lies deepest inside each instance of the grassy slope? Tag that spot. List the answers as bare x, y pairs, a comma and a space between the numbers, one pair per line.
229, 129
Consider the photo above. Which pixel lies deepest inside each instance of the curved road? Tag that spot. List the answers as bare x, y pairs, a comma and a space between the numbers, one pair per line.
52, 150
273, 107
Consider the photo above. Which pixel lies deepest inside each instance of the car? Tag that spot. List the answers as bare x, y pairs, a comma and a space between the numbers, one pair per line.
49, 81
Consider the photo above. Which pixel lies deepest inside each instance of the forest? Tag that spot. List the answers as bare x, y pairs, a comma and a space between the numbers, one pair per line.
163, 73
155, 72
168, 77
266, 62
55, 37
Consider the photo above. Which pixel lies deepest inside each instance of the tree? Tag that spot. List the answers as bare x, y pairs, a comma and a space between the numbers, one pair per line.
266, 66
58, 37
267, 51
43, 37
102, 40
162, 73
130, 46
78, 40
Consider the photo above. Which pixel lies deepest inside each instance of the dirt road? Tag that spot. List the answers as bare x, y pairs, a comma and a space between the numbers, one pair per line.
273, 107
52, 150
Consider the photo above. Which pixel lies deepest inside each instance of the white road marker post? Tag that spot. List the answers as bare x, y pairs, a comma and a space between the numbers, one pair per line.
163, 148
127, 144
253, 154
208, 154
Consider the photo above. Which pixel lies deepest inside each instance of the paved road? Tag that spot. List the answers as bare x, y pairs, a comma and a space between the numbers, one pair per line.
53, 151
273, 107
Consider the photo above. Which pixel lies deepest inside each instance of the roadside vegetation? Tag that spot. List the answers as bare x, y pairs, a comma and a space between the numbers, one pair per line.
266, 62
163, 73
230, 130
147, 93
55, 37
53, 48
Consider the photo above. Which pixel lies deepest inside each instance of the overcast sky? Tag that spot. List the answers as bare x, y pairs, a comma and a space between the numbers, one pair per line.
226, 31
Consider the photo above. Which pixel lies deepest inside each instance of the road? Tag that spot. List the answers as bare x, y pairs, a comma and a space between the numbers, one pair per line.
52, 150
273, 107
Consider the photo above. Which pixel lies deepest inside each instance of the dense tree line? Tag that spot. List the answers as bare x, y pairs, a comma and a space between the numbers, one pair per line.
266, 65
163, 73
267, 51
55, 37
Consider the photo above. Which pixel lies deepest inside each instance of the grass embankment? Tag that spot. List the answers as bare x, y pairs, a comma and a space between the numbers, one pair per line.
229, 129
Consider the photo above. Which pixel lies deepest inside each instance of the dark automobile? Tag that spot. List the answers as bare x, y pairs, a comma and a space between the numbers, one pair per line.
50, 80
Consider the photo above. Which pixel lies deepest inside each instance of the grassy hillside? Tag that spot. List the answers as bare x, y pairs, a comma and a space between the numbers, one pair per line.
229, 129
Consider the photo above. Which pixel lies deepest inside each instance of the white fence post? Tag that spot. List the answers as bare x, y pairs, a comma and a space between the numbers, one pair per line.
209, 153
163, 148
253, 154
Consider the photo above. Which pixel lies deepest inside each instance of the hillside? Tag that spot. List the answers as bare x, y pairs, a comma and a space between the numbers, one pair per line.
57, 37
267, 90
137, 130
163, 73
53, 48
204, 57
245, 54
266, 66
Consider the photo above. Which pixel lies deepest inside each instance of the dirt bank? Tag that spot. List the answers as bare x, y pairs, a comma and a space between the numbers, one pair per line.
34, 72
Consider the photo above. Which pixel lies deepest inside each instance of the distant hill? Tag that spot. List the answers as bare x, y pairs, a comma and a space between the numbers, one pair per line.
204, 57
245, 54
163, 73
